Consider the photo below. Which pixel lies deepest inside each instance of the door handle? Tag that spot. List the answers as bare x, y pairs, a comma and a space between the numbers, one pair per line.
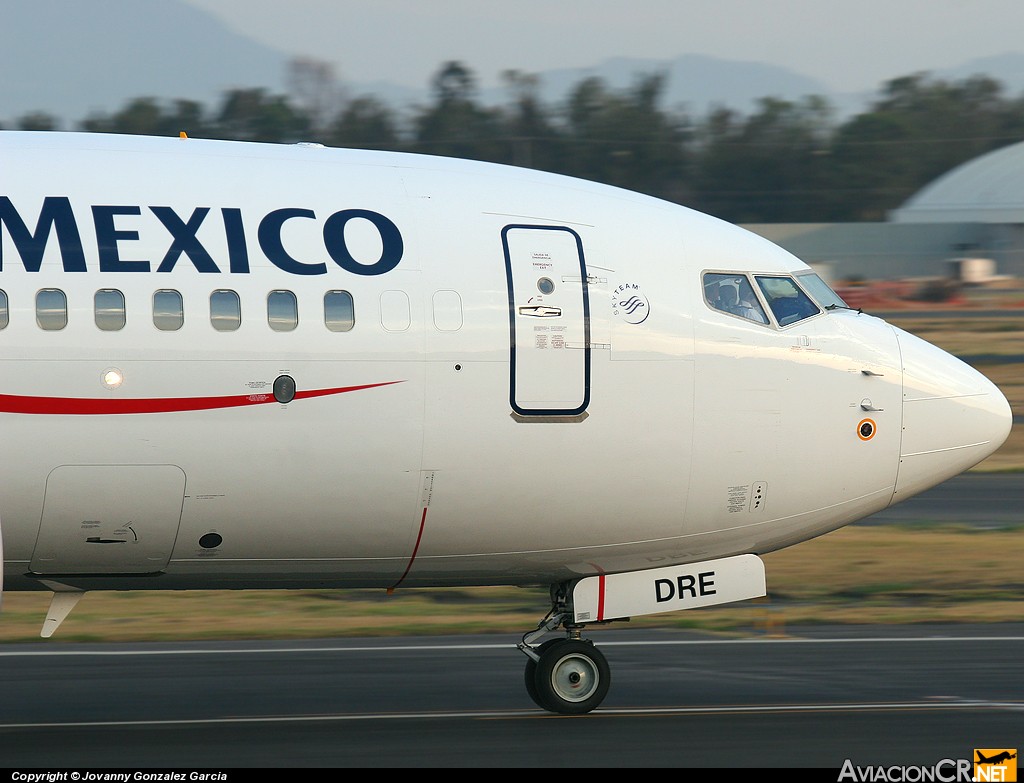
540, 311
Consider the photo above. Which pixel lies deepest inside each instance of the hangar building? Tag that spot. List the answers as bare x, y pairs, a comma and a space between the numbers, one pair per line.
973, 212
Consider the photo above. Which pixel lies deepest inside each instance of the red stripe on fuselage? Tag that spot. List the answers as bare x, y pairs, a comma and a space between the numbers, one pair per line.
72, 406
415, 549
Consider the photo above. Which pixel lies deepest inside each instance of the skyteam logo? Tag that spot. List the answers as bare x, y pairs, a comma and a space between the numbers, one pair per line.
629, 304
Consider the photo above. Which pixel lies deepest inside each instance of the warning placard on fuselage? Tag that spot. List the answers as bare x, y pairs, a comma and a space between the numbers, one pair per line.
612, 596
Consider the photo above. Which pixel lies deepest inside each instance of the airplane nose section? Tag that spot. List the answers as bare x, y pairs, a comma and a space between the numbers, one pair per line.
953, 417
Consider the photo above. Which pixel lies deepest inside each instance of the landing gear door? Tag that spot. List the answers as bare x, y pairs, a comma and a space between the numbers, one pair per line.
549, 320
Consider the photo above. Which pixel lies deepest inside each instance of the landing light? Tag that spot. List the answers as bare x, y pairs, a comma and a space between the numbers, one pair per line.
112, 378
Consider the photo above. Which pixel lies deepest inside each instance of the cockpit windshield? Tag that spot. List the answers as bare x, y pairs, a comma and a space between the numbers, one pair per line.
745, 295
821, 291
787, 301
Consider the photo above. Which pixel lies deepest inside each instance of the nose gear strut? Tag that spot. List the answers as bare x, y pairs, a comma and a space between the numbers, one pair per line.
568, 676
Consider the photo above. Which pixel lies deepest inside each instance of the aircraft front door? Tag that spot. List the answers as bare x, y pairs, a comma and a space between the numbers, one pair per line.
549, 320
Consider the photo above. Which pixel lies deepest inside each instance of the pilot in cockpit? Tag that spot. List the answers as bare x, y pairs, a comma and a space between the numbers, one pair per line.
730, 302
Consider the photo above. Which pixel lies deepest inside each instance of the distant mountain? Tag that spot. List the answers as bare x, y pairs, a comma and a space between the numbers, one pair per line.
698, 83
1007, 68
693, 82
73, 58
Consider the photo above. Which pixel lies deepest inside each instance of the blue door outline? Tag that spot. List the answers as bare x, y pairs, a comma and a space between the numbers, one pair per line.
578, 317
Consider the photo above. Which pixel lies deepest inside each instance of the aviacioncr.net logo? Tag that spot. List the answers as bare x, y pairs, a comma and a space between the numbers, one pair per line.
944, 771
995, 764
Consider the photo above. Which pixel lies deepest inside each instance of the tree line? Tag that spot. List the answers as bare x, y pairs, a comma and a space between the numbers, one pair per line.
785, 161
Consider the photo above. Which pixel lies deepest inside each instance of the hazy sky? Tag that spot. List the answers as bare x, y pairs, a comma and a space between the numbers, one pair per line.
850, 46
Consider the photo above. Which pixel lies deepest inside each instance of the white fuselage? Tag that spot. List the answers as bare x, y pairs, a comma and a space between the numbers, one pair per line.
471, 423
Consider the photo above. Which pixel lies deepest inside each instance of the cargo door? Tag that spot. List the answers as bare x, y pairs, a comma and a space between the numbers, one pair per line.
109, 519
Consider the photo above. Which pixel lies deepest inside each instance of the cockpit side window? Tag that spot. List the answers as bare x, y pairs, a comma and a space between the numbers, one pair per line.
820, 290
787, 301
733, 294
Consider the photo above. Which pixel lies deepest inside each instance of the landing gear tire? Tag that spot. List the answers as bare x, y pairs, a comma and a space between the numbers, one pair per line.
571, 678
530, 675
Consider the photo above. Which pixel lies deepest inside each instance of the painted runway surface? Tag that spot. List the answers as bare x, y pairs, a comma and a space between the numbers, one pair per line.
985, 500
866, 696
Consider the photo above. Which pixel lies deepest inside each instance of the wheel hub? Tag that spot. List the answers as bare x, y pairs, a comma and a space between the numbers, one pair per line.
575, 678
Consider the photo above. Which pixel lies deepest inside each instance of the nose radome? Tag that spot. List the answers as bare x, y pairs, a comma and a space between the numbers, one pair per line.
953, 417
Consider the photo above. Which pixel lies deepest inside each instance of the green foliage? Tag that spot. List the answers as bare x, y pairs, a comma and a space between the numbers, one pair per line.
785, 162
365, 123
146, 116
253, 115
916, 131
37, 121
767, 167
624, 139
455, 124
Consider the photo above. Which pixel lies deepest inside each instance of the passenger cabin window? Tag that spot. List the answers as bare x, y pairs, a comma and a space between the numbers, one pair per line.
51, 309
282, 311
109, 309
395, 311
168, 310
733, 294
788, 302
447, 311
3, 310
339, 312
225, 311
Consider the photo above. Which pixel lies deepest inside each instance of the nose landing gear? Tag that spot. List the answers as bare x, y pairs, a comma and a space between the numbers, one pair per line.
570, 676
566, 676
